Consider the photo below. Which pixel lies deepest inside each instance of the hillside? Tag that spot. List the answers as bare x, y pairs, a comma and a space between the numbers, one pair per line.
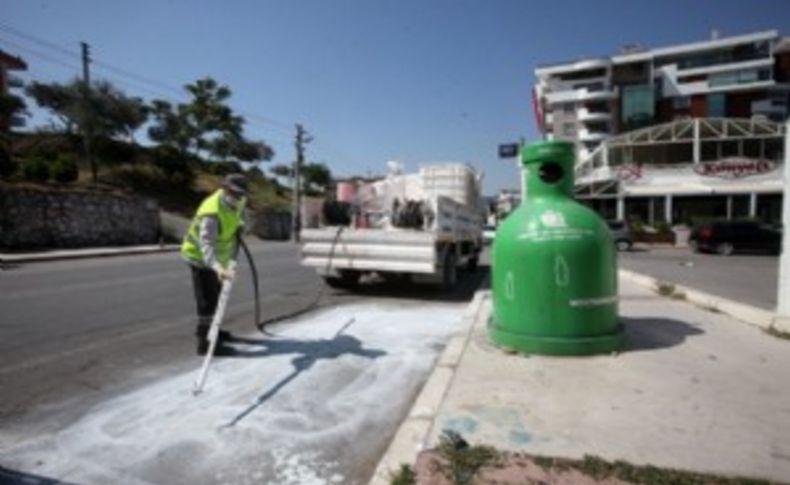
177, 184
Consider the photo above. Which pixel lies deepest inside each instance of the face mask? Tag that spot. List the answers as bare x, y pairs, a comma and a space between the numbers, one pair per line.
234, 200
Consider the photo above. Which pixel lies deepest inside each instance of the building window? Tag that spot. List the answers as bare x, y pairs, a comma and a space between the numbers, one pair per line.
569, 129
717, 105
748, 76
681, 102
568, 108
723, 79
745, 76
638, 106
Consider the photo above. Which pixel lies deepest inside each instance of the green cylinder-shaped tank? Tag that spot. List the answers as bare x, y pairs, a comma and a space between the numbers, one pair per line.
554, 266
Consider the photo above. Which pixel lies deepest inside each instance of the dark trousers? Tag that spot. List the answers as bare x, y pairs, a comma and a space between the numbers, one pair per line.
207, 287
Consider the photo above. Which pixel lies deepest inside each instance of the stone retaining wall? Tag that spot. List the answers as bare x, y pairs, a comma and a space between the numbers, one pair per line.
272, 224
40, 219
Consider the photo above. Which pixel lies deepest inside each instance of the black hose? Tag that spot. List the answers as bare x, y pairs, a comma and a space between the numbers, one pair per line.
254, 272
262, 324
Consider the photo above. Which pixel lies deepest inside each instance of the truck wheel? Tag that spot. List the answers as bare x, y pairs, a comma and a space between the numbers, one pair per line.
449, 271
693, 246
346, 280
623, 245
725, 249
471, 263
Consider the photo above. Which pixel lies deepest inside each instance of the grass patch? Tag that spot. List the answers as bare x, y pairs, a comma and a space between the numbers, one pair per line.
463, 460
669, 290
664, 288
775, 332
711, 308
404, 476
601, 469
459, 463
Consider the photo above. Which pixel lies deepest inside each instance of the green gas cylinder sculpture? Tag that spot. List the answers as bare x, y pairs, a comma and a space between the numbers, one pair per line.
554, 266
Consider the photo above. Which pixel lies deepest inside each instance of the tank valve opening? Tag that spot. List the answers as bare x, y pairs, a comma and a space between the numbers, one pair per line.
551, 172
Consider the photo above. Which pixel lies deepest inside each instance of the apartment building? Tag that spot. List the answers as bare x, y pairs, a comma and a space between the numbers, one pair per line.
7, 81
587, 101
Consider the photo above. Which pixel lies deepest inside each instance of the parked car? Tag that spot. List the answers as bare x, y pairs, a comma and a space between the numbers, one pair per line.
622, 235
726, 238
489, 233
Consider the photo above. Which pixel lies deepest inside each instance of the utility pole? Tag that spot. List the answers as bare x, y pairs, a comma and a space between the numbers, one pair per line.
302, 139
783, 297
86, 59
87, 130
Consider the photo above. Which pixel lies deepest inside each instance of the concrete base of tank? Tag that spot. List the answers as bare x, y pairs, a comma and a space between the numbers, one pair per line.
524, 343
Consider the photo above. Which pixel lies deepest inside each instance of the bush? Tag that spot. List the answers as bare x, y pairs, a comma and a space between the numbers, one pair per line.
663, 228
64, 170
112, 152
173, 164
7, 165
36, 170
45, 152
224, 168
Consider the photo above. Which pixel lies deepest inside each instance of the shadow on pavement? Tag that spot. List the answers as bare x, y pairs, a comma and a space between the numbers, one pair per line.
468, 283
307, 352
12, 477
656, 333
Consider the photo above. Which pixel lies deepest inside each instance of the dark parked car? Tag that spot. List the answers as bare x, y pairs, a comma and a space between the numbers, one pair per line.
622, 235
726, 238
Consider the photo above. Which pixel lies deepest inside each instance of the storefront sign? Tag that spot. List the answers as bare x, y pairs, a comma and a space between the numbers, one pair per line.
732, 168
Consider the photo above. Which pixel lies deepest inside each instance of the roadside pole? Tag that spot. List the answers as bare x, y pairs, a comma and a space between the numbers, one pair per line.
783, 298
302, 139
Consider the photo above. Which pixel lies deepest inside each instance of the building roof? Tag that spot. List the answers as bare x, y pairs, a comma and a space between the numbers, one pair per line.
12, 62
645, 54
696, 46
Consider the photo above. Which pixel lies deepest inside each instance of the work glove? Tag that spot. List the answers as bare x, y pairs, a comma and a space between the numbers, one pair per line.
225, 274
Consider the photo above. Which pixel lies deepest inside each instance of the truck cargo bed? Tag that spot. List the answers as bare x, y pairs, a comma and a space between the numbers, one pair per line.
395, 250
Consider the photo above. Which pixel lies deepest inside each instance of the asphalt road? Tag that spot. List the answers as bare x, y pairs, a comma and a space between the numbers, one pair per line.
750, 279
75, 335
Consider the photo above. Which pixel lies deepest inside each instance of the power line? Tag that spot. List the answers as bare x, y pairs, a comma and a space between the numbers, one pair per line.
283, 127
40, 55
39, 41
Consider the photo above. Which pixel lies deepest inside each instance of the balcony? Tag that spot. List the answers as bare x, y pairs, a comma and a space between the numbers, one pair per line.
584, 114
586, 135
583, 94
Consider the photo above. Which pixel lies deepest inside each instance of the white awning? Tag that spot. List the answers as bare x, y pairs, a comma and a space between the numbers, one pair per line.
700, 189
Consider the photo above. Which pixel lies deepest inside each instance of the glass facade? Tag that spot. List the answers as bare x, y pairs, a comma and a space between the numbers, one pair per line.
717, 105
638, 106
738, 77
739, 53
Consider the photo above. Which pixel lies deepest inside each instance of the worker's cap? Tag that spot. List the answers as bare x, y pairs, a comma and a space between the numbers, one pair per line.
236, 183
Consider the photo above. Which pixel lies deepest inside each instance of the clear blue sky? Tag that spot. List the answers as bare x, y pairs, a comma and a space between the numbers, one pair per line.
411, 80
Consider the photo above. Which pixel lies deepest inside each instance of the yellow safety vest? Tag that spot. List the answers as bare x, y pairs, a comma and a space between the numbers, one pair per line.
229, 222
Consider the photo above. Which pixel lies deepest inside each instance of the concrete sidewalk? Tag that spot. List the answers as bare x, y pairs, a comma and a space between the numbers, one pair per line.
13, 258
693, 389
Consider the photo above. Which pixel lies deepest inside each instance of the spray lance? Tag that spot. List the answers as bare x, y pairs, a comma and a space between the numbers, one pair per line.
224, 296
219, 313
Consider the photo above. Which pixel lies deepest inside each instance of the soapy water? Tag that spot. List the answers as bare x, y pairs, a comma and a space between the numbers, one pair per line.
318, 403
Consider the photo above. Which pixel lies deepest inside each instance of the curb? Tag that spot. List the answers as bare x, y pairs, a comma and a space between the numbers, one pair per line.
740, 311
8, 258
413, 433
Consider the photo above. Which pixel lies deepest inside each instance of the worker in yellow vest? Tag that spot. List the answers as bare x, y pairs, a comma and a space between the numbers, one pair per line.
209, 246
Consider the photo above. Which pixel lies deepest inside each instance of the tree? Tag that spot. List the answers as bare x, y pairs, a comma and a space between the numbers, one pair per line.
101, 107
99, 110
316, 176
61, 100
281, 171
10, 106
206, 126
171, 128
